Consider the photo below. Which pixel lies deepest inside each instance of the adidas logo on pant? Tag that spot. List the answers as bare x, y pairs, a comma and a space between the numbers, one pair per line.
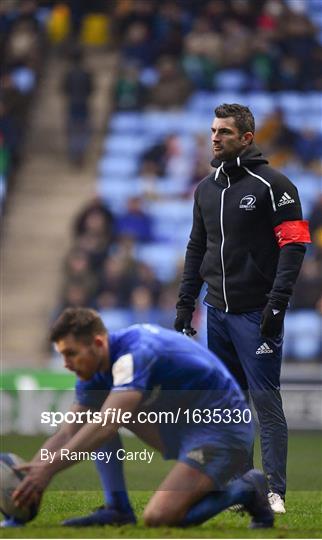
285, 199
264, 349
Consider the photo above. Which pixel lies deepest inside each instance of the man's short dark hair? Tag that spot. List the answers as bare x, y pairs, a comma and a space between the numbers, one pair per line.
82, 323
244, 119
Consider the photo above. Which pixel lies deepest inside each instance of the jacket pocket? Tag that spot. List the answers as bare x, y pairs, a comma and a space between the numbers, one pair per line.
210, 269
254, 270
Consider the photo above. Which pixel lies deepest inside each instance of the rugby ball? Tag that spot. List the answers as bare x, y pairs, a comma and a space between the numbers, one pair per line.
10, 479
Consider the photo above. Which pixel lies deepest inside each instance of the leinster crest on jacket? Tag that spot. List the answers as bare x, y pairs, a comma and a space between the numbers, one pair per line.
248, 202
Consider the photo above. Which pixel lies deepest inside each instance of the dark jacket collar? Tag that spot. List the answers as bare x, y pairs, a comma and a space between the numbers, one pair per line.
250, 157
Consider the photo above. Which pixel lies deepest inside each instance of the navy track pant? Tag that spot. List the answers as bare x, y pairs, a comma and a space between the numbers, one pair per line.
255, 363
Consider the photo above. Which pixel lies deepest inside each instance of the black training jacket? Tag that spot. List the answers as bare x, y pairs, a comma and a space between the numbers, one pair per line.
244, 214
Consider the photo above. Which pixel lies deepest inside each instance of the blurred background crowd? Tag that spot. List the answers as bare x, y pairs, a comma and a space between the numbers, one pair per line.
176, 60
21, 53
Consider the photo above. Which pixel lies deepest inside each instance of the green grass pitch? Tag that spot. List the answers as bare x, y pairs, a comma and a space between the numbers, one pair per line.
77, 491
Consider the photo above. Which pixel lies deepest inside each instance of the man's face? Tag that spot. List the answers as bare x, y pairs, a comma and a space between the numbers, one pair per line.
227, 142
81, 358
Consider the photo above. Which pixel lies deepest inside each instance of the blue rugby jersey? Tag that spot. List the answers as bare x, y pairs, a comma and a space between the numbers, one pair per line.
172, 372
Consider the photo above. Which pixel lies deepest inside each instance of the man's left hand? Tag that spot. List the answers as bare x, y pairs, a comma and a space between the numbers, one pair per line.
31, 488
272, 321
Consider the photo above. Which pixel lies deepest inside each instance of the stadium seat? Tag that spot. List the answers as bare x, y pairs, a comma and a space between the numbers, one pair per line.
114, 319
162, 258
162, 123
126, 122
116, 192
309, 187
231, 79
125, 145
114, 166
303, 337
169, 217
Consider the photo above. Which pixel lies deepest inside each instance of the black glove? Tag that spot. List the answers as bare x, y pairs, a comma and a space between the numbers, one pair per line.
183, 323
272, 321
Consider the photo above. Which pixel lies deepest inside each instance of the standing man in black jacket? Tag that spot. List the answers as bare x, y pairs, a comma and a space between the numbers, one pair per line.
247, 243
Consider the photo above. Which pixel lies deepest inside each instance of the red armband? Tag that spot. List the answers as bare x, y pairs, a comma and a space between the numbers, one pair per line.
290, 232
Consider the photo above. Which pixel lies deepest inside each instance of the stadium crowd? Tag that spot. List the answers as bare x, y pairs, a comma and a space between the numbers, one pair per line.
125, 261
177, 60
170, 49
22, 49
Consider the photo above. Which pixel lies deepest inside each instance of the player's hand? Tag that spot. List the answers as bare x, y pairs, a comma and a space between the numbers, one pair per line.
272, 321
183, 323
31, 488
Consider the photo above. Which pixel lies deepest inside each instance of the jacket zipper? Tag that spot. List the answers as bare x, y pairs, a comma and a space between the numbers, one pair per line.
223, 240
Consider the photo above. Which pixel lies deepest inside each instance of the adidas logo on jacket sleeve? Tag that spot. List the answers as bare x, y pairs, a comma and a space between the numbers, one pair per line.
285, 199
